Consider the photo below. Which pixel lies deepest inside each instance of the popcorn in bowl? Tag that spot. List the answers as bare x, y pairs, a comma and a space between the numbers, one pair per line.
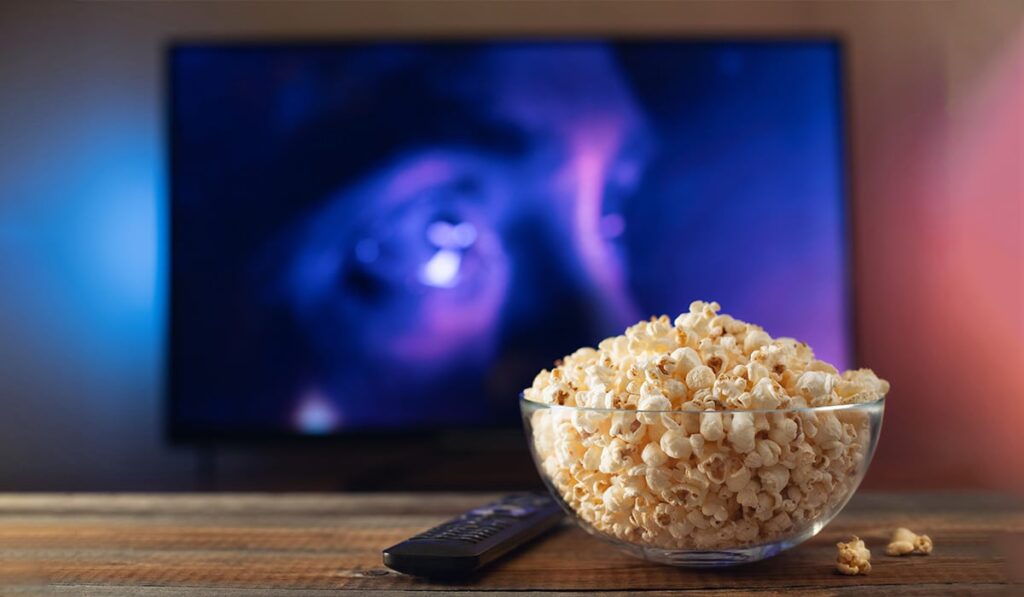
704, 440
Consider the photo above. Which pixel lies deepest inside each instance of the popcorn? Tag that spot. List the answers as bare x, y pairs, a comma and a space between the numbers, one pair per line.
711, 426
684, 456
742, 432
653, 455
676, 444
700, 377
615, 457
904, 541
816, 387
854, 557
756, 340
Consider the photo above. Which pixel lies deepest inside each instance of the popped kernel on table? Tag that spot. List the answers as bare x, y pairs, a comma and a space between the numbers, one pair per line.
854, 557
905, 542
308, 544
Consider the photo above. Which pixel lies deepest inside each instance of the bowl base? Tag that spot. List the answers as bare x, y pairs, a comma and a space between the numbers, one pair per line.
708, 559
716, 558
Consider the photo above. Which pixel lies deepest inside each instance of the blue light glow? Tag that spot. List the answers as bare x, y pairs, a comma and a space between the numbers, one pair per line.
316, 415
87, 244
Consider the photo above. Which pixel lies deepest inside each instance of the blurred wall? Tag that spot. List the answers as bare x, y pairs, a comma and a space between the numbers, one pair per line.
937, 158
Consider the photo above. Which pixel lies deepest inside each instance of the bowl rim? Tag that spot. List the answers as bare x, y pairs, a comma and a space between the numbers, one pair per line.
877, 403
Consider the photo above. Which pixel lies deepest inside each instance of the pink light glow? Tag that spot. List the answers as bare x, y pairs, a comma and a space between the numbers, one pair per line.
594, 147
946, 324
591, 132
984, 260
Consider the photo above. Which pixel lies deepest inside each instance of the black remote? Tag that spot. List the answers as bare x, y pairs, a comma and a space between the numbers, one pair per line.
465, 544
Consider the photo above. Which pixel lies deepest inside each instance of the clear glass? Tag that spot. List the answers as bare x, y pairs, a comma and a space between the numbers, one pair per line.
703, 488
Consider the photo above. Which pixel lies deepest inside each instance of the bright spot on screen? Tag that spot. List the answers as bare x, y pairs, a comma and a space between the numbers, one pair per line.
463, 234
316, 415
441, 270
447, 236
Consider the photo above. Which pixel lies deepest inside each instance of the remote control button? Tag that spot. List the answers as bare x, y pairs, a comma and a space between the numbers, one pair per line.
531, 501
504, 510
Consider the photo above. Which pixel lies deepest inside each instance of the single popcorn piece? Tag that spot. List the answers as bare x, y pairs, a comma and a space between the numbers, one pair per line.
904, 542
687, 435
854, 557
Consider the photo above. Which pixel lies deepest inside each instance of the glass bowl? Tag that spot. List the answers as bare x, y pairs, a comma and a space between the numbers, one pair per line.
703, 488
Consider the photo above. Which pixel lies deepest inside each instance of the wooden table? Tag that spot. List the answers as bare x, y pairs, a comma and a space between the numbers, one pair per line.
308, 544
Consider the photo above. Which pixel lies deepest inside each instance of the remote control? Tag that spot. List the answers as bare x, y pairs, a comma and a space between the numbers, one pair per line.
465, 544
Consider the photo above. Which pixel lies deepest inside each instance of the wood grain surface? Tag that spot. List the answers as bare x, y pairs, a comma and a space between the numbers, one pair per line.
285, 544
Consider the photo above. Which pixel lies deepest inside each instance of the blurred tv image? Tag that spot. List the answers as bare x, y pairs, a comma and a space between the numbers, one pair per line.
399, 236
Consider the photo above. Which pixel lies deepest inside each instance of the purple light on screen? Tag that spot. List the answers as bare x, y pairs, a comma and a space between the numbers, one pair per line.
612, 226
411, 178
579, 107
595, 145
467, 279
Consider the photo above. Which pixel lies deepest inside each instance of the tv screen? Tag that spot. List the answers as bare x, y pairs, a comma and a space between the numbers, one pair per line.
398, 236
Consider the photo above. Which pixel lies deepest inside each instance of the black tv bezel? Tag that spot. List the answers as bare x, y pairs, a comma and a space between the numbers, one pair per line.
177, 434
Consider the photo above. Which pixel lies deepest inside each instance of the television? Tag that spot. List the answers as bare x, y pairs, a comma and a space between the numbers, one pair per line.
394, 237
